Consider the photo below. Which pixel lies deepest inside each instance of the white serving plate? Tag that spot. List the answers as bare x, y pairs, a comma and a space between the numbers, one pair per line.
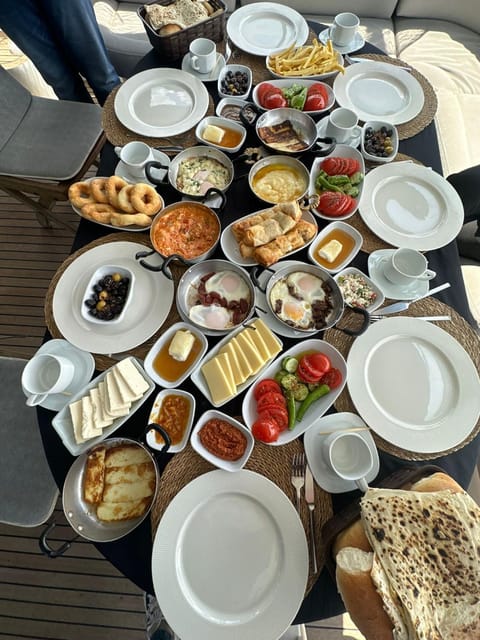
232, 251
320, 238
199, 380
62, 422
340, 151
319, 76
414, 385
249, 411
157, 405
285, 84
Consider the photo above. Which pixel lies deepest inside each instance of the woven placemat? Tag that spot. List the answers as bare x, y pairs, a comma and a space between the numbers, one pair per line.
274, 463
458, 328
103, 362
371, 242
118, 135
430, 105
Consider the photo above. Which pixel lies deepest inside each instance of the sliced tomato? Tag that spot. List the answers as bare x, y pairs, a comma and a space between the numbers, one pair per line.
274, 101
264, 88
318, 363
314, 102
318, 89
353, 166
277, 413
329, 165
265, 429
306, 374
268, 384
334, 203
333, 378
271, 397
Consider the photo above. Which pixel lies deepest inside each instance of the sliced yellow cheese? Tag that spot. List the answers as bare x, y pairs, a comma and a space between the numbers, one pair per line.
257, 340
224, 361
252, 354
238, 375
245, 367
270, 339
331, 250
218, 385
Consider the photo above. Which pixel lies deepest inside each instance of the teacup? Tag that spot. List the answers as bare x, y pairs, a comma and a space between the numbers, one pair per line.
349, 456
203, 55
46, 374
135, 156
405, 266
342, 124
343, 29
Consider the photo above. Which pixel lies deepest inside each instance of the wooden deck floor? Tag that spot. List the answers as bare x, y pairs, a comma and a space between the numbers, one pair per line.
80, 596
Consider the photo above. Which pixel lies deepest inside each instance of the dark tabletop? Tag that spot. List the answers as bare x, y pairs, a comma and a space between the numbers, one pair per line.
132, 554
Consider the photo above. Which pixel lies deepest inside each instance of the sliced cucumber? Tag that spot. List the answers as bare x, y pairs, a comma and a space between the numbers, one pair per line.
290, 364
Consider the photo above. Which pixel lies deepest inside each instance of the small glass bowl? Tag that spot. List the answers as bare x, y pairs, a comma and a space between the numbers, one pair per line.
234, 68
377, 126
98, 275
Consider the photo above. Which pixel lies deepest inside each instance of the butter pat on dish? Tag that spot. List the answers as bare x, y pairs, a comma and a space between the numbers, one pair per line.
212, 133
331, 250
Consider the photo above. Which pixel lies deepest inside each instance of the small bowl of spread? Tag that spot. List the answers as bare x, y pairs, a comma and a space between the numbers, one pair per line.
222, 440
335, 246
173, 410
221, 133
230, 108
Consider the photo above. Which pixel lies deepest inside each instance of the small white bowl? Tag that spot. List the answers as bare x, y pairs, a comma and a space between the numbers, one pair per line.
376, 125
285, 84
224, 123
234, 68
320, 240
227, 465
165, 339
380, 298
238, 103
98, 275
155, 410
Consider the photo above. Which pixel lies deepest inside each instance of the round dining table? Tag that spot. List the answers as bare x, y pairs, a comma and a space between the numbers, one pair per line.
132, 554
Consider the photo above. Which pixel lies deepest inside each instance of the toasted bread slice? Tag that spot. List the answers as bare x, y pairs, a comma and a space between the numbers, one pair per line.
128, 491
115, 511
94, 477
130, 473
126, 454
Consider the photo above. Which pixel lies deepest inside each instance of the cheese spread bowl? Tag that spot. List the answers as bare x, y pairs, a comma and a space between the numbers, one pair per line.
215, 296
279, 178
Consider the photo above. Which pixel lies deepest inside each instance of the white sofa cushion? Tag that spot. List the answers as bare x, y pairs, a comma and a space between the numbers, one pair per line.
448, 55
363, 8
462, 12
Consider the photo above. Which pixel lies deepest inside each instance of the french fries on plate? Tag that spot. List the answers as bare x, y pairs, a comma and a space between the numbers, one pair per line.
308, 60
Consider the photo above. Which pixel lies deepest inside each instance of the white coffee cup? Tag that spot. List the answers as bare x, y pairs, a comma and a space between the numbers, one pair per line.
349, 456
343, 29
45, 374
203, 55
135, 155
405, 266
342, 124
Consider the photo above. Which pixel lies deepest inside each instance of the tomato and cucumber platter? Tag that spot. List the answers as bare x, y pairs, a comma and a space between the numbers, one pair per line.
294, 391
309, 96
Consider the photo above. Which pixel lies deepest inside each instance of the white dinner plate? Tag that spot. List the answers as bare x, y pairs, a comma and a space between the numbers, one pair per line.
231, 249
318, 408
356, 43
409, 205
152, 296
414, 385
161, 102
230, 558
266, 27
379, 91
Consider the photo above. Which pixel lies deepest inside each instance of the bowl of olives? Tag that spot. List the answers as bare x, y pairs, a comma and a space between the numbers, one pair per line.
107, 295
379, 141
235, 81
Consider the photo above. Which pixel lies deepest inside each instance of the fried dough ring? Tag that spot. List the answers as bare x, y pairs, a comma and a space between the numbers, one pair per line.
99, 190
124, 199
114, 185
98, 212
80, 193
125, 219
145, 199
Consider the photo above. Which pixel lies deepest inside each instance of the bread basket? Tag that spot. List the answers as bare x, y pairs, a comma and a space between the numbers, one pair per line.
175, 45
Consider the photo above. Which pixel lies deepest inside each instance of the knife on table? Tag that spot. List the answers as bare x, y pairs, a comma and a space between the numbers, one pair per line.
310, 498
396, 307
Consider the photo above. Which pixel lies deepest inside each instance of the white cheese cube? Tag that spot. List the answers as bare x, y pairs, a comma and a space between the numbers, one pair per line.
212, 133
331, 250
181, 345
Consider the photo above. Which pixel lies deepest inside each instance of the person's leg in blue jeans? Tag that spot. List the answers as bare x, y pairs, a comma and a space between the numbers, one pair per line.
63, 40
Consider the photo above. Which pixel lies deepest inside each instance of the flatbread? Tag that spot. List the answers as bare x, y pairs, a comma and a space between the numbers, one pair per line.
427, 561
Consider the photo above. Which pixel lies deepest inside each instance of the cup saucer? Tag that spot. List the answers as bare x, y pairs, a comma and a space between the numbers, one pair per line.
376, 264
204, 77
353, 141
354, 45
122, 170
84, 364
321, 471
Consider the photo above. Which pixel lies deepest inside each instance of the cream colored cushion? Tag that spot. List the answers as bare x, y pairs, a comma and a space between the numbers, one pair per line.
462, 12
447, 55
119, 17
363, 8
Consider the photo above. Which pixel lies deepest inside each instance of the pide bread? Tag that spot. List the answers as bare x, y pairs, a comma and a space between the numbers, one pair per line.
120, 481
410, 568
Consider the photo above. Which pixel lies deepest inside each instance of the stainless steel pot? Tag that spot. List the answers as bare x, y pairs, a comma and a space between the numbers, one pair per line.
190, 280
336, 297
81, 516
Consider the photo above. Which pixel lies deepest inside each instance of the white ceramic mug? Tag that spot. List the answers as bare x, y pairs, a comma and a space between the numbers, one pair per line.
203, 55
135, 156
343, 29
405, 266
349, 456
342, 124
44, 375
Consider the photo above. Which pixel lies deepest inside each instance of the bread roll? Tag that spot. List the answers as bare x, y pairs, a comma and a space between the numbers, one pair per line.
359, 595
168, 29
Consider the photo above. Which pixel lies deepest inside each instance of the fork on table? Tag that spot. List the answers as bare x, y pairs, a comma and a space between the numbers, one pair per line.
298, 475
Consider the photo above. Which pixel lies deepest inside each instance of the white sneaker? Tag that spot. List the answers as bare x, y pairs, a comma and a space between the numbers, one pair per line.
156, 626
